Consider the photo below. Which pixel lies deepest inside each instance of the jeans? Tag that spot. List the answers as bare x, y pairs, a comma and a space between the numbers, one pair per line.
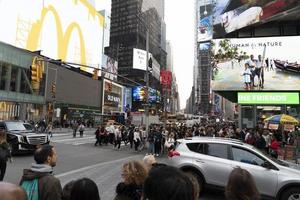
2, 169
136, 144
151, 148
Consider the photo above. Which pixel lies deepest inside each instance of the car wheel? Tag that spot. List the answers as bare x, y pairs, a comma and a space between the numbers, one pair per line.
197, 177
291, 194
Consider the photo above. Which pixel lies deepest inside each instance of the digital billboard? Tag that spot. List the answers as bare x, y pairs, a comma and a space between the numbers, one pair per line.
231, 15
268, 98
139, 94
265, 64
68, 30
109, 68
112, 97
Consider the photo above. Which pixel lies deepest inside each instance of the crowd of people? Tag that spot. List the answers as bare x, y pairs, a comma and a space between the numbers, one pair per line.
144, 179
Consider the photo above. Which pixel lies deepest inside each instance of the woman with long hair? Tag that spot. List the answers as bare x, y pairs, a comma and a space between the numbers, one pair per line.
241, 186
84, 189
134, 174
4, 153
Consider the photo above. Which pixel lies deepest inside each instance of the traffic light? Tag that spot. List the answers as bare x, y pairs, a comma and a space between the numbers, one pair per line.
95, 74
53, 90
35, 75
150, 63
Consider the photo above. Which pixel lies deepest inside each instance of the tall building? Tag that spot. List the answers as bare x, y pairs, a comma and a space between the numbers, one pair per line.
129, 23
169, 65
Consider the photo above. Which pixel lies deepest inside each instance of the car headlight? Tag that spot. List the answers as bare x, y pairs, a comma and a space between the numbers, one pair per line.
21, 139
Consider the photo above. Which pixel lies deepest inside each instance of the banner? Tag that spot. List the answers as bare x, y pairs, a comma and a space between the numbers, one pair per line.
112, 97
166, 78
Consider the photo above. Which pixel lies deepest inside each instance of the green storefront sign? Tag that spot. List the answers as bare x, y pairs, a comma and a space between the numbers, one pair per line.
268, 98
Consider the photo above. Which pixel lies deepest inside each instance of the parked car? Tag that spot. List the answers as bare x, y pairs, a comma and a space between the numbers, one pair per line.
211, 161
22, 139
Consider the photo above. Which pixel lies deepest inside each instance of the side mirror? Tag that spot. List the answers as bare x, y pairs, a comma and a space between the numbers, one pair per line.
267, 165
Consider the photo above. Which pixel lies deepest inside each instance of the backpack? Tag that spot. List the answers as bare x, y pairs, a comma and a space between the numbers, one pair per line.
32, 189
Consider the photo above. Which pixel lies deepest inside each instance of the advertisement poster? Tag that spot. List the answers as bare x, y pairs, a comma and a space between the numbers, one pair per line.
112, 97
256, 64
68, 30
231, 15
109, 68
139, 94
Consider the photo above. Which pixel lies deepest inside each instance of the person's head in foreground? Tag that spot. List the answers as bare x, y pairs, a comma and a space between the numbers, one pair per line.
148, 161
241, 186
10, 191
166, 183
84, 189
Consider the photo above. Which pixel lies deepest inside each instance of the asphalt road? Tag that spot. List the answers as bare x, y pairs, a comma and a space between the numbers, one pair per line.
77, 158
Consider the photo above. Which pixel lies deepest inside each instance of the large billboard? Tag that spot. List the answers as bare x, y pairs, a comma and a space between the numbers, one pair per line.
231, 15
109, 68
140, 62
268, 98
139, 94
112, 97
265, 64
68, 30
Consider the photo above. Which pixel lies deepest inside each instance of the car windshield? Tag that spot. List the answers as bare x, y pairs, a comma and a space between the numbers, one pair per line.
28, 126
279, 162
15, 126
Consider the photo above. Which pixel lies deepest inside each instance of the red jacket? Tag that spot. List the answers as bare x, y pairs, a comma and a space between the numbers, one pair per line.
274, 145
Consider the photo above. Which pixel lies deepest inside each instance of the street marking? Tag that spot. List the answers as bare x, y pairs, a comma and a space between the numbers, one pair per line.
73, 139
94, 166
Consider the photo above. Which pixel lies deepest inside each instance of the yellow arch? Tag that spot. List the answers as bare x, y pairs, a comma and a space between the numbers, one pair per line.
62, 38
35, 33
67, 38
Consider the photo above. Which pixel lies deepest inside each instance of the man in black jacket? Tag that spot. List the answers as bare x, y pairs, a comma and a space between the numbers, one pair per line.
49, 187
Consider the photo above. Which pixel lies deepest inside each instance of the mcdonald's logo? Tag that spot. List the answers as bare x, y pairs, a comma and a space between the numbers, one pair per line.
63, 37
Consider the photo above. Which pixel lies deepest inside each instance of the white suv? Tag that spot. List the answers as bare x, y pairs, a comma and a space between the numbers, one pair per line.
211, 160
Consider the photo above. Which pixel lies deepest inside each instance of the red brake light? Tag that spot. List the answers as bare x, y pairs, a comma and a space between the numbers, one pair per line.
173, 153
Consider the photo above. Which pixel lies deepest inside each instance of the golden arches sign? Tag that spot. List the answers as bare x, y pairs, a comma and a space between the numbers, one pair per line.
63, 38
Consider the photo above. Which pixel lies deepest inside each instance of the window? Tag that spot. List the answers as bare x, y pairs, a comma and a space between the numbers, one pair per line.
216, 150
242, 155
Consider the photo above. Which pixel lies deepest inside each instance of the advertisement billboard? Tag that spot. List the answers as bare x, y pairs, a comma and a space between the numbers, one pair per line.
112, 97
204, 21
231, 15
140, 62
109, 68
166, 78
139, 94
268, 98
68, 30
265, 64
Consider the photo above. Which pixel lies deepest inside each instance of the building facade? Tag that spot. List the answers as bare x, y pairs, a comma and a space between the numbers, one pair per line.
129, 22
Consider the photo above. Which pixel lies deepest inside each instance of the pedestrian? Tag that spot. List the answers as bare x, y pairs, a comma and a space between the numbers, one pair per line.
84, 189
81, 129
50, 129
134, 175
118, 138
157, 142
38, 181
274, 147
75, 127
5, 154
10, 191
136, 139
111, 133
98, 136
67, 190
103, 136
166, 182
241, 186
150, 139
260, 141
148, 161
131, 136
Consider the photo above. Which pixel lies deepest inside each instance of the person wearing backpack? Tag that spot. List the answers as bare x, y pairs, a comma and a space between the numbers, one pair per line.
4, 154
38, 181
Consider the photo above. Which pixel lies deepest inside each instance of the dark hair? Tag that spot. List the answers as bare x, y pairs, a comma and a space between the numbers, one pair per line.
241, 186
166, 182
67, 190
42, 153
84, 189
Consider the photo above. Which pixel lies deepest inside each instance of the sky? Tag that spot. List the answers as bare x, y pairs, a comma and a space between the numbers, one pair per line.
179, 18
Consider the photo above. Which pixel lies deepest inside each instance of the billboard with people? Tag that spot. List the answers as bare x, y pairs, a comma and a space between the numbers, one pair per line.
265, 64
231, 15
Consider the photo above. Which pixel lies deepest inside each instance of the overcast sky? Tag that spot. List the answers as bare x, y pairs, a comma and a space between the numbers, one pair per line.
179, 17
